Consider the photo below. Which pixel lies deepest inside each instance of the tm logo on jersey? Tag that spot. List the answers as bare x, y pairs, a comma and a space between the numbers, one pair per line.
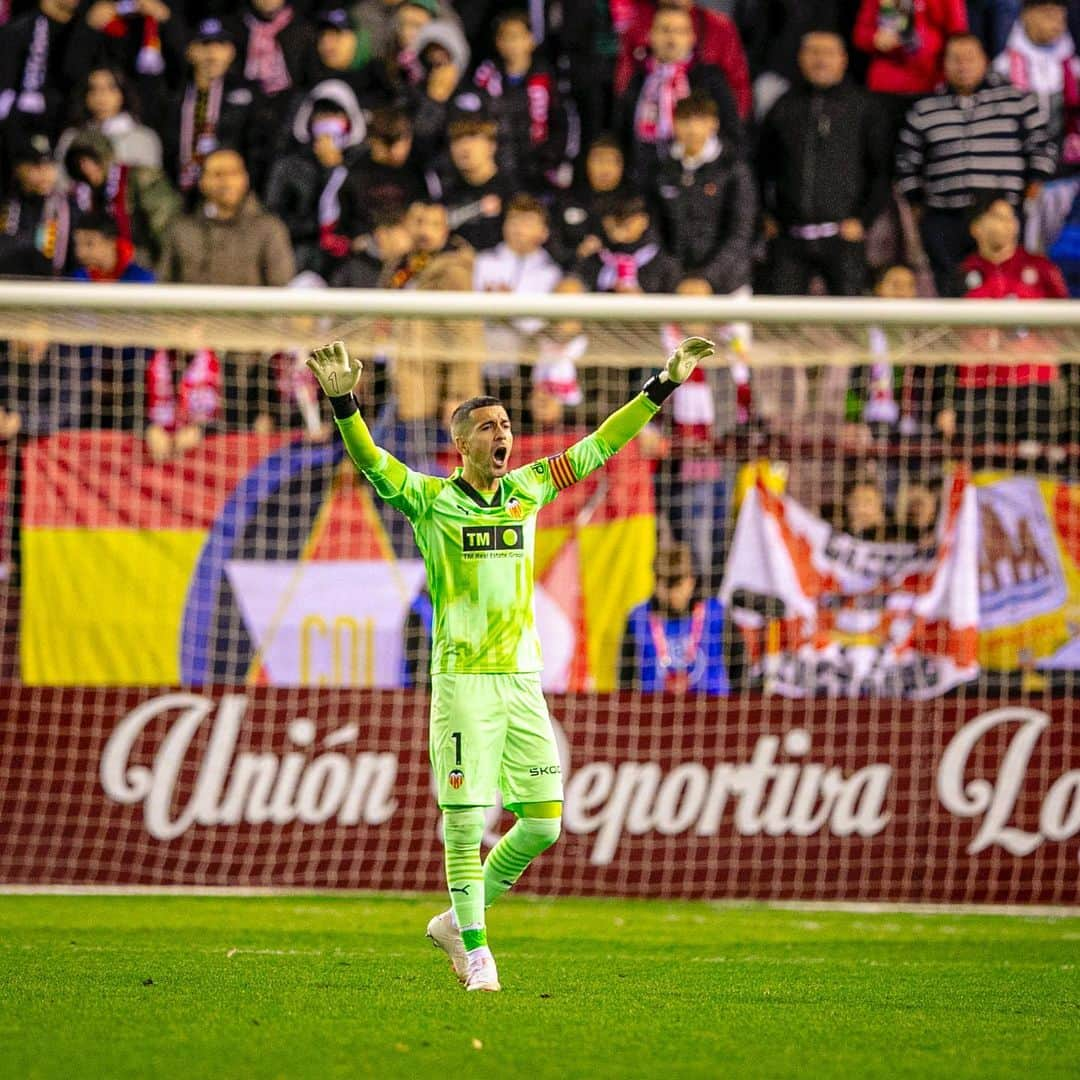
486, 541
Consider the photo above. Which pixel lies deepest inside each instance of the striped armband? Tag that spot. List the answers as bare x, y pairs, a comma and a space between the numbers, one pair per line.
562, 472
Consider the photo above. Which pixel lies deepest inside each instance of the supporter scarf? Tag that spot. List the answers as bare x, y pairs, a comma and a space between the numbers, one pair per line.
149, 61
265, 63
489, 78
114, 197
665, 85
621, 267
31, 99
52, 233
881, 406
621, 13
199, 115
330, 240
692, 405
678, 664
200, 389
556, 368
409, 269
1049, 71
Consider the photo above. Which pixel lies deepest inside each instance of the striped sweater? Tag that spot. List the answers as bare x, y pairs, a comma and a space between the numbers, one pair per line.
952, 146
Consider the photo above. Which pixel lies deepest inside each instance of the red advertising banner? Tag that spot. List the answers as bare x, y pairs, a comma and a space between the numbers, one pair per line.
946, 800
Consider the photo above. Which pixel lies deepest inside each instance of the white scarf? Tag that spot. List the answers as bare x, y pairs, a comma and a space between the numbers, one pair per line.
1039, 68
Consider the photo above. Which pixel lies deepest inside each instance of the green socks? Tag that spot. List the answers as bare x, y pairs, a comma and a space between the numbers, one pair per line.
507, 860
464, 829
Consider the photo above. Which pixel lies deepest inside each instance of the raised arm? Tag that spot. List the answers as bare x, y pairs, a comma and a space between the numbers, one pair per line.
623, 424
338, 374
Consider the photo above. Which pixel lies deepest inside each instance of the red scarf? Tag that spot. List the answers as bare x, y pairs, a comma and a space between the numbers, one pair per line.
665, 85
125, 253
200, 389
265, 63
149, 61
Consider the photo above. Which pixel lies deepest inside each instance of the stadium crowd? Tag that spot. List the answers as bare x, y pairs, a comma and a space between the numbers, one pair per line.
906, 147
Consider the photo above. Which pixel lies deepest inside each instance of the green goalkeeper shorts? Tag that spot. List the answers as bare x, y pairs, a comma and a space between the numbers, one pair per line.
492, 732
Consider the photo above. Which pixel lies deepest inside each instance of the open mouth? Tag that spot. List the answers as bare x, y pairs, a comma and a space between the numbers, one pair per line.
500, 455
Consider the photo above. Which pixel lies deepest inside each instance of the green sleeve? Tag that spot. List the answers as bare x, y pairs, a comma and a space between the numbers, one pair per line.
405, 490
552, 475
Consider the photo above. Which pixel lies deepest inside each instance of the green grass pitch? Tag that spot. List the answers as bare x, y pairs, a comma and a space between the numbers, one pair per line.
319, 986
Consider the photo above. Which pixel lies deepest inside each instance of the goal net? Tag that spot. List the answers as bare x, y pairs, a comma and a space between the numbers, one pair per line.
812, 635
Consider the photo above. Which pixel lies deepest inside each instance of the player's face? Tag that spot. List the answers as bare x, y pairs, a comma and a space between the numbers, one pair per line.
488, 444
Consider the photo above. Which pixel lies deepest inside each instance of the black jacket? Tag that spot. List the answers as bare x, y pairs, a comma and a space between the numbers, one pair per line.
823, 156
575, 215
477, 211
372, 186
43, 110
661, 274
707, 215
645, 157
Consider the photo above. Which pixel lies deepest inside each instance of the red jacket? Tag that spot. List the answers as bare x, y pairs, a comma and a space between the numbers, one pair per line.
718, 43
917, 71
1022, 277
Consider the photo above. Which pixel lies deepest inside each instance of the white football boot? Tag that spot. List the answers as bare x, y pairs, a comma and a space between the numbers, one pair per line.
446, 936
481, 973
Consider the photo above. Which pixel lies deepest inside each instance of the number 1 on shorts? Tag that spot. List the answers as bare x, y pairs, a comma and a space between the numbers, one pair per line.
456, 736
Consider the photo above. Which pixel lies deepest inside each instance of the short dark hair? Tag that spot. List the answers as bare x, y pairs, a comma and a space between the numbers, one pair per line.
387, 215
982, 202
517, 15
606, 141
621, 207
963, 35
527, 204
99, 223
697, 103
462, 413
463, 128
389, 124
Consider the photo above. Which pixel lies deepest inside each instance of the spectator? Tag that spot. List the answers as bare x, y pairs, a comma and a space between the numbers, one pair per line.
435, 367
863, 512
519, 265
110, 377
140, 199
473, 188
588, 44
342, 54
230, 239
576, 228
442, 58
524, 103
823, 166
275, 47
772, 32
916, 506
215, 109
646, 110
631, 259
33, 82
978, 134
142, 38
1005, 401
991, 21
555, 397
105, 103
717, 43
1041, 57
387, 176
102, 254
36, 216
707, 205
375, 21
385, 245
906, 42
674, 642
401, 61
304, 188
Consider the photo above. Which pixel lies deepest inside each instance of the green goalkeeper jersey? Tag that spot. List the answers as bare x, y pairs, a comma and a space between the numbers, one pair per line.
478, 547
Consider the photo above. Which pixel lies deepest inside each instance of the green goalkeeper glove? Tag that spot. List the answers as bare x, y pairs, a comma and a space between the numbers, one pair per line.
337, 371
679, 367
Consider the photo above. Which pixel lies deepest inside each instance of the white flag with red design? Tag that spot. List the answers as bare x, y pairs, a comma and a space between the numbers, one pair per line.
824, 613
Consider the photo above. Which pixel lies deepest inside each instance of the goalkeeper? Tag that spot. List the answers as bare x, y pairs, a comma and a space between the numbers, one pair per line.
490, 727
